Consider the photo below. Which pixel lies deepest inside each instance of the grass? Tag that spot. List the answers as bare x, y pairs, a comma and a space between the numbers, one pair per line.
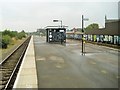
14, 43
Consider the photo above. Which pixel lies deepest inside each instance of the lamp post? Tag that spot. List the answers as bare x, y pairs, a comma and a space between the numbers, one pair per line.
58, 21
83, 19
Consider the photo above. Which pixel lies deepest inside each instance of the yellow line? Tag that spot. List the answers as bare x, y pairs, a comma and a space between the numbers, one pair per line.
93, 62
103, 71
117, 77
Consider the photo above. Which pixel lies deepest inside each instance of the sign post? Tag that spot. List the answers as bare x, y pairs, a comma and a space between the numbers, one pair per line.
83, 42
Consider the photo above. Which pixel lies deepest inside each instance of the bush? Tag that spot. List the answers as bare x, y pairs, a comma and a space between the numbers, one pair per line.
21, 35
10, 33
5, 41
0, 39
4, 45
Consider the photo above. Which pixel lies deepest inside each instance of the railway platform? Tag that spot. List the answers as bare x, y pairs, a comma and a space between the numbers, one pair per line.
62, 66
27, 75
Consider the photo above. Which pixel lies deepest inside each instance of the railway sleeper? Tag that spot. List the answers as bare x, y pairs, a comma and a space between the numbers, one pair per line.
3, 75
5, 78
7, 75
3, 83
10, 63
2, 87
6, 69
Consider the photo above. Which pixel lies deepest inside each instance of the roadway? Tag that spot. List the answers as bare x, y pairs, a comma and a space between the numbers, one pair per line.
63, 66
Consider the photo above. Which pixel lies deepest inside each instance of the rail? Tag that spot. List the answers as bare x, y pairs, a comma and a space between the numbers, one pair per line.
10, 65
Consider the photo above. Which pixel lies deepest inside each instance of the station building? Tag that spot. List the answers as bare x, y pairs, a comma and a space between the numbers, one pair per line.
110, 34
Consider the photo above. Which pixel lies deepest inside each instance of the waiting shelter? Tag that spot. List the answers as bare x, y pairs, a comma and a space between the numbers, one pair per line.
55, 34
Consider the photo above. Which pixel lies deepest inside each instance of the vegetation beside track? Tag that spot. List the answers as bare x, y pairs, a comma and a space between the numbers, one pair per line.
10, 37
9, 40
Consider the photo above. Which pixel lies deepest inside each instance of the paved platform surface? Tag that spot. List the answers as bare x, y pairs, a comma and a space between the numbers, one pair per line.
27, 75
63, 66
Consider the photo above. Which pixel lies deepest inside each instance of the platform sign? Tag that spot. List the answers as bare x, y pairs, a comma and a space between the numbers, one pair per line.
50, 36
61, 30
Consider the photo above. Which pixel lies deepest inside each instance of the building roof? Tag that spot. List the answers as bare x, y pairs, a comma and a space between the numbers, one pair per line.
71, 32
55, 27
111, 20
112, 27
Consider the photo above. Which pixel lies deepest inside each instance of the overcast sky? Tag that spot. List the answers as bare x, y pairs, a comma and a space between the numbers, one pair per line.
29, 15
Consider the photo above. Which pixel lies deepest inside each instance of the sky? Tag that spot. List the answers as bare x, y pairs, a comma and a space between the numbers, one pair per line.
29, 15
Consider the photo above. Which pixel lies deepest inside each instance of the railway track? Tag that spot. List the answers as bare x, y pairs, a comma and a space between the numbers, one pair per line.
10, 65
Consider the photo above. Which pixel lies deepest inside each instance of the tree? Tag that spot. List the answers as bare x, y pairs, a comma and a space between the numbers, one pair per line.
5, 41
13, 33
6, 32
8, 37
92, 26
0, 39
21, 34
9, 33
